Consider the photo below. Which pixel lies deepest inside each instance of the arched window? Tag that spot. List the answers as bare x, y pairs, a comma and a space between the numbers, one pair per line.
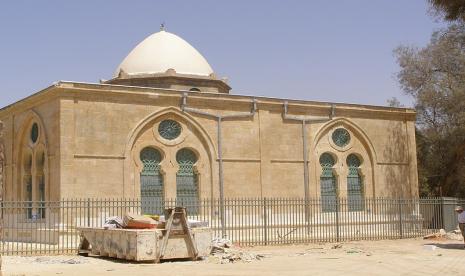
27, 182
194, 89
187, 192
151, 182
328, 189
34, 133
40, 180
355, 198
33, 181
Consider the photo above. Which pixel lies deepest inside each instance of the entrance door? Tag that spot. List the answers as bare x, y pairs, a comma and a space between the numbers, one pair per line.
187, 193
151, 182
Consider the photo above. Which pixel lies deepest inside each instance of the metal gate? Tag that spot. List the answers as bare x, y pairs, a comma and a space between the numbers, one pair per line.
151, 182
187, 193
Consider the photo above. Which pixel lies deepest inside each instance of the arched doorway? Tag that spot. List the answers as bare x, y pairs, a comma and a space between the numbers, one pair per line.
151, 182
187, 192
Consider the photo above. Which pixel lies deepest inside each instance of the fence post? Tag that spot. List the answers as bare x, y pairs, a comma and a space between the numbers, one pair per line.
400, 218
449, 221
88, 212
265, 221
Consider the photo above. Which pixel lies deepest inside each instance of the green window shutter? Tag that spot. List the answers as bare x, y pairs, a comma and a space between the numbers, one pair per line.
328, 190
355, 198
187, 193
151, 182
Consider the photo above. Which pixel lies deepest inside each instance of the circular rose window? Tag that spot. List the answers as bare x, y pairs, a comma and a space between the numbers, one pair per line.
169, 129
341, 137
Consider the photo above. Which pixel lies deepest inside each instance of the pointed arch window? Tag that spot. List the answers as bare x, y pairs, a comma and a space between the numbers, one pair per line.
151, 182
187, 191
355, 197
33, 171
328, 188
40, 180
27, 182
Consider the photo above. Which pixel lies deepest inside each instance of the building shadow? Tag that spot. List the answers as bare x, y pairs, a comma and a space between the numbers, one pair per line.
457, 246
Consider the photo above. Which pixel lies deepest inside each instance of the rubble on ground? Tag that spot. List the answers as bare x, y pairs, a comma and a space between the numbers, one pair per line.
443, 235
454, 235
224, 252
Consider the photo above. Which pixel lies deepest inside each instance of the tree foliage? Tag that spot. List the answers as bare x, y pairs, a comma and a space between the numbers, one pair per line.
450, 10
394, 102
435, 77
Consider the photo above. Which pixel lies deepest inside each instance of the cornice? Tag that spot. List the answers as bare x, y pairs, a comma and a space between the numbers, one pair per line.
74, 89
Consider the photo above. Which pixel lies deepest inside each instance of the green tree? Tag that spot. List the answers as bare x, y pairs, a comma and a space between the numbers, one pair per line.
394, 102
435, 77
450, 10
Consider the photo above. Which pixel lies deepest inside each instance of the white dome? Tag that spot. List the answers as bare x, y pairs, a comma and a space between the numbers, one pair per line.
162, 51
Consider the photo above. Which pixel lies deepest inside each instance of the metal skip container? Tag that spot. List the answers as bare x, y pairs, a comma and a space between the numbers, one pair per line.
176, 241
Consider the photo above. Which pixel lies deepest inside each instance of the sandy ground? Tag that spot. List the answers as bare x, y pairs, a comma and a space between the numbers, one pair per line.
393, 257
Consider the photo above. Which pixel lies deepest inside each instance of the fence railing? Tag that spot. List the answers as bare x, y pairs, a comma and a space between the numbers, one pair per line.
51, 227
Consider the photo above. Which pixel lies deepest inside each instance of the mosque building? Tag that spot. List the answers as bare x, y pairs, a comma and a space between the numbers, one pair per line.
165, 126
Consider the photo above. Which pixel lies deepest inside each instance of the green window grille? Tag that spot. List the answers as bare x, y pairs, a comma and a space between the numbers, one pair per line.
41, 196
187, 193
328, 189
28, 183
355, 198
151, 182
169, 129
341, 137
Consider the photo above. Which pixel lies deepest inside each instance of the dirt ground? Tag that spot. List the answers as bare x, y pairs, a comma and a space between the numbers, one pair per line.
392, 257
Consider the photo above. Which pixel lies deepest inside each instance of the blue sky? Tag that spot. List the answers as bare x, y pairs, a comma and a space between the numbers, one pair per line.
338, 51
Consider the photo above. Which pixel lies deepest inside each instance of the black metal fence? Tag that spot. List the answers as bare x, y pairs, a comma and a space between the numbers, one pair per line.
52, 227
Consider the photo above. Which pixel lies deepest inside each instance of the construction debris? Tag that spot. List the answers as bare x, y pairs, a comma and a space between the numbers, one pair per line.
134, 221
224, 252
454, 235
221, 242
113, 222
443, 235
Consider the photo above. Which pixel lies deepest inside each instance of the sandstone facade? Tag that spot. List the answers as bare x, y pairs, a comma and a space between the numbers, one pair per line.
90, 137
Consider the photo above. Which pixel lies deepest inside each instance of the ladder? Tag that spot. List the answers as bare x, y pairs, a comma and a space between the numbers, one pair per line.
177, 227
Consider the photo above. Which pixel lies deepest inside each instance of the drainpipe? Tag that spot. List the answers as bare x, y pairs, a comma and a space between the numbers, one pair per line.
304, 121
219, 119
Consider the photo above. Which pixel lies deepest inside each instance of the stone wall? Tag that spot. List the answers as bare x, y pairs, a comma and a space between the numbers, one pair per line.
262, 155
95, 134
